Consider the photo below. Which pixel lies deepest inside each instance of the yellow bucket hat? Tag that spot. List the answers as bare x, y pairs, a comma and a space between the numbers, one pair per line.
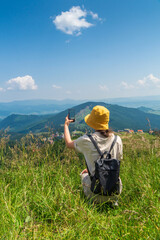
98, 118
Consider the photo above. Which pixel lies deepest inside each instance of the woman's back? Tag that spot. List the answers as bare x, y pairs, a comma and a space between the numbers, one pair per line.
85, 146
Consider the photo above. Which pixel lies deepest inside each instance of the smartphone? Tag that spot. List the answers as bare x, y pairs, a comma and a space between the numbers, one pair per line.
71, 114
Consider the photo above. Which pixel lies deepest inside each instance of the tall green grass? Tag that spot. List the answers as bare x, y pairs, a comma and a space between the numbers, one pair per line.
41, 195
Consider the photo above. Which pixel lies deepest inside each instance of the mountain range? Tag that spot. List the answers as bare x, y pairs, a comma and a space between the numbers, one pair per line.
36, 107
39, 107
120, 118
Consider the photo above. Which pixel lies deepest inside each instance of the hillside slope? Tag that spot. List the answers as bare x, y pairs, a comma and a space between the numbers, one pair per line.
22, 123
41, 196
120, 117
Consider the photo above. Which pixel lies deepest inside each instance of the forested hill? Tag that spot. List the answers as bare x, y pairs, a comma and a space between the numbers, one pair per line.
120, 118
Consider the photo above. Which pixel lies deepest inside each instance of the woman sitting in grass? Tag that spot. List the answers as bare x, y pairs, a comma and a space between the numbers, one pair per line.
98, 120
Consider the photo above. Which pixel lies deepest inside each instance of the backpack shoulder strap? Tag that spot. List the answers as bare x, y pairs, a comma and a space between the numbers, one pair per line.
113, 143
95, 144
99, 151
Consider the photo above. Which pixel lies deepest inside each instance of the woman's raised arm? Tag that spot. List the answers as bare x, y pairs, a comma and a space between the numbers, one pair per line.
67, 136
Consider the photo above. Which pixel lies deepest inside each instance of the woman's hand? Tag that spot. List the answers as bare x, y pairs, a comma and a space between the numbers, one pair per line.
67, 121
84, 171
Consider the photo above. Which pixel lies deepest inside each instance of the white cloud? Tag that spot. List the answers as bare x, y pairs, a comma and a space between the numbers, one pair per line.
22, 83
56, 87
154, 79
127, 86
149, 81
73, 21
142, 82
68, 92
94, 15
103, 87
1, 89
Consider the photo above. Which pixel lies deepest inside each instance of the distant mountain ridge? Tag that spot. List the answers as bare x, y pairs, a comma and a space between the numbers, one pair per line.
120, 118
42, 106
38, 107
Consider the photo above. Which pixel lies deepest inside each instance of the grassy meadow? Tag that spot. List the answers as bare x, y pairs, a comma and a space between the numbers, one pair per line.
41, 195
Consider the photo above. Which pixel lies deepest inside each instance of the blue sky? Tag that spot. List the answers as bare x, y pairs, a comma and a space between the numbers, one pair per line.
79, 49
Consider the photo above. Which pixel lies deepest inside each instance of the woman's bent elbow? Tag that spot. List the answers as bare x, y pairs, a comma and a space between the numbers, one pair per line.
70, 144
